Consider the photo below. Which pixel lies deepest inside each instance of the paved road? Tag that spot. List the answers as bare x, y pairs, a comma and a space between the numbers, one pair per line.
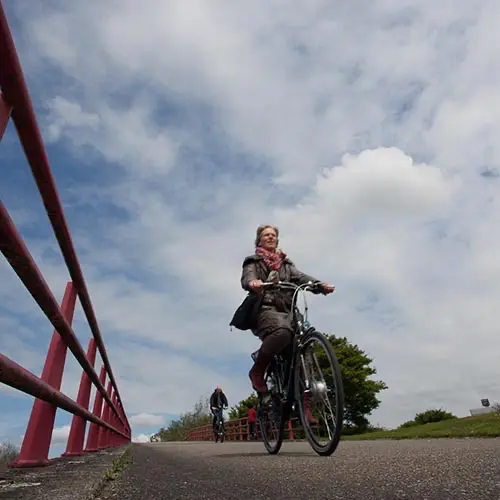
425, 470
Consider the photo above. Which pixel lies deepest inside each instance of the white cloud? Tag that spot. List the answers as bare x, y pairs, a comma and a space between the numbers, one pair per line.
361, 132
141, 438
383, 182
146, 420
60, 435
90, 129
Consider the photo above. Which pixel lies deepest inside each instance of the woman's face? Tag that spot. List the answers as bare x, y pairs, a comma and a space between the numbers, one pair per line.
269, 239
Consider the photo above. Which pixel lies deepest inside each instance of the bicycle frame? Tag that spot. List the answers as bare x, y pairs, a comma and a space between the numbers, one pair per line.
285, 381
289, 369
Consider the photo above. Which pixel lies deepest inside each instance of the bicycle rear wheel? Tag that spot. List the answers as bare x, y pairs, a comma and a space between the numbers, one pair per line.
270, 414
271, 425
319, 392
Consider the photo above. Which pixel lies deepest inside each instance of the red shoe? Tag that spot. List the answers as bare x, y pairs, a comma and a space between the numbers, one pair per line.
258, 370
307, 408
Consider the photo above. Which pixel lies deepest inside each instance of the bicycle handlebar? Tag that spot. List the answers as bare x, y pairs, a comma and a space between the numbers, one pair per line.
313, 287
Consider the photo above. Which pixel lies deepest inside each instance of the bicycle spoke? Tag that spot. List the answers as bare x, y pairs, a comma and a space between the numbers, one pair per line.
320, 394
318, 379
271, 425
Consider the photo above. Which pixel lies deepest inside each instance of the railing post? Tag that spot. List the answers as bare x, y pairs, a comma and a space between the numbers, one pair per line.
126, 428
115, 438
5, 111
123, 427
241, 430
111, 421
36, 442
103, 441
93, 437
76, 439
290, 430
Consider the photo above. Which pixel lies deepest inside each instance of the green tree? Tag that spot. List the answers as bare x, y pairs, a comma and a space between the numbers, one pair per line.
241, 409
361, 391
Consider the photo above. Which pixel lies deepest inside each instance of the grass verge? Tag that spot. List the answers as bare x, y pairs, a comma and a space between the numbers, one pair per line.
105, 488
479, 426
119, 465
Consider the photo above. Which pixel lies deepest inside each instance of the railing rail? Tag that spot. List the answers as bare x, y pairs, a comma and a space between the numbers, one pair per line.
16, 94
109, 424
16, 252
35, 386
239, 430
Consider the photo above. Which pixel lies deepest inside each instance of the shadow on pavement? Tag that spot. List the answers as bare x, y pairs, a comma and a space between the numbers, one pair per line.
265, 454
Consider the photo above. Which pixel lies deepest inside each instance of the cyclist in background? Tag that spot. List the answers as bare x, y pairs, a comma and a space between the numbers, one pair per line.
218, 400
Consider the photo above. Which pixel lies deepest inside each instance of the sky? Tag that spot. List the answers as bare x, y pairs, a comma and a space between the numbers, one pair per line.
366, 132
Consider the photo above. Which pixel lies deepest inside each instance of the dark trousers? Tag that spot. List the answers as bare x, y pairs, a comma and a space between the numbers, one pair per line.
216, 413
251, 428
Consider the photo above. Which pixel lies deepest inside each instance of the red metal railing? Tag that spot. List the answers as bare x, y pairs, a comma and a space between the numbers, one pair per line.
108, 422
239, 430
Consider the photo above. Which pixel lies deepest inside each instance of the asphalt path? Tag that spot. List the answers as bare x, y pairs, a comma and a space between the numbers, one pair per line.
435, 469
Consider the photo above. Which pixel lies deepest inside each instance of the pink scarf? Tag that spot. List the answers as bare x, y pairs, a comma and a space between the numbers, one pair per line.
273, 260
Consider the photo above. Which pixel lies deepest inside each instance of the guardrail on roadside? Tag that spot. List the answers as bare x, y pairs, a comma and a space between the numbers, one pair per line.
108, 422
239, 430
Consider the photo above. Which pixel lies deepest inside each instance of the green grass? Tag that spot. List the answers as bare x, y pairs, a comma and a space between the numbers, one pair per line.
479, 426
119, 465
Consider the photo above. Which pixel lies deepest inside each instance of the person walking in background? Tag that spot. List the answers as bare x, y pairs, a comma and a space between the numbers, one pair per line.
252, 419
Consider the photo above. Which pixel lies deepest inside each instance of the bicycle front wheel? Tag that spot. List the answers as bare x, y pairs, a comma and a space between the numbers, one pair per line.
319, 392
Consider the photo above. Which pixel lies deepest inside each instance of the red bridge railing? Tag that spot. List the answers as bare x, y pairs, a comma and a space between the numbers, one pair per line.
240, 430
108, 422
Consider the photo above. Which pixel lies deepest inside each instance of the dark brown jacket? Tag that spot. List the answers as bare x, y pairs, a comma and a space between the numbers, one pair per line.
254, 268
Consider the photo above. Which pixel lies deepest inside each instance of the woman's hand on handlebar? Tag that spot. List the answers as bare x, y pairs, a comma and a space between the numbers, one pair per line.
256, 286
327, 289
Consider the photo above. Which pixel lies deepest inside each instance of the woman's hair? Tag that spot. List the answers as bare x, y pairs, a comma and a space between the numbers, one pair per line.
261, 229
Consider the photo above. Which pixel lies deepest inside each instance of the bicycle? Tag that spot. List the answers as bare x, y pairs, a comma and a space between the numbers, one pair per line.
290, 381
219, 426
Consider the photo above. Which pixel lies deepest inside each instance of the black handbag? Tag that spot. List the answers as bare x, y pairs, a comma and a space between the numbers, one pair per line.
245, 317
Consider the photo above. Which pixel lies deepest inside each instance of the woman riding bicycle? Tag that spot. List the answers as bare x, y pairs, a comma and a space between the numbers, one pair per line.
273, 320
